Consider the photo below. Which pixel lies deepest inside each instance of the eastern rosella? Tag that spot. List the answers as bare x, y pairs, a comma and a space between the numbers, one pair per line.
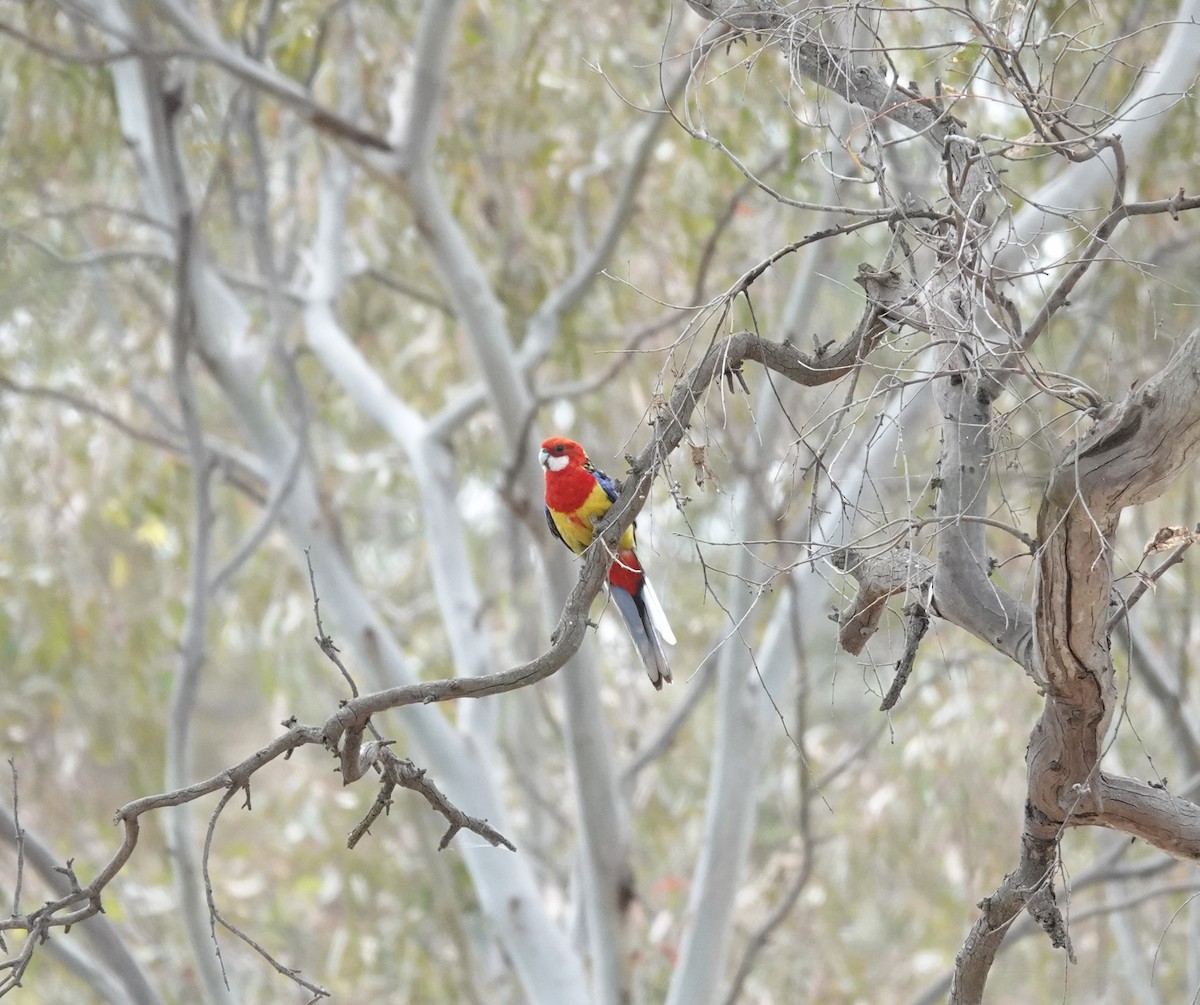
577, 496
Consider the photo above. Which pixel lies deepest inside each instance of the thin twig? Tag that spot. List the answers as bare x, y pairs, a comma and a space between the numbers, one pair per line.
1146, 581
322, 639
916, 625
280, 491
216, 917
20, 833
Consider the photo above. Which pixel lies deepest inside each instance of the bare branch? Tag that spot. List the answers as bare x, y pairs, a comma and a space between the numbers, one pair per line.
402, 772
82, 902
19, 834
1031, 884
216, 917
916, 625
1121, 211
879, 578
1135, 450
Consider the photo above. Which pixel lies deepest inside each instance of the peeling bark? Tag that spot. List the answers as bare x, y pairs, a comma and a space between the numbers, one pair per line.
878, 580
1132, 454
1129, 457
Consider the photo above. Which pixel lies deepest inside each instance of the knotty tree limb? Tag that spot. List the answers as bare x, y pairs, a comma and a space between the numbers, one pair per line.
1133, 453
879, 578
915, 626
83, 901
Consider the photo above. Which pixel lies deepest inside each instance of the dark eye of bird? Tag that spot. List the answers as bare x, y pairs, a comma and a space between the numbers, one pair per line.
558, 448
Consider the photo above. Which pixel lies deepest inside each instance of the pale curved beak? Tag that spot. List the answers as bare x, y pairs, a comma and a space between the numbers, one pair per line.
544, 458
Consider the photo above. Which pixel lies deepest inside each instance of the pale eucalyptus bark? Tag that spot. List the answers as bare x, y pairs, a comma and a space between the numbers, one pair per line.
550, 972
607, 887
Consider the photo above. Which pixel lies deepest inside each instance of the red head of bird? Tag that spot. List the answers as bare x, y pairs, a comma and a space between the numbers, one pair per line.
558, 453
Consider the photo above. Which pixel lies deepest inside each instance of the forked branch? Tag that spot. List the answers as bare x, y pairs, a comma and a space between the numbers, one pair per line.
1133, 453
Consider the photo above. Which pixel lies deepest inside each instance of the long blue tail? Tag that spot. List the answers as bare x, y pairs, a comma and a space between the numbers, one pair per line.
639, 621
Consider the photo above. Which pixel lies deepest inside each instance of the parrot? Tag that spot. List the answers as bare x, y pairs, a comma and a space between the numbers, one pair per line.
577, 496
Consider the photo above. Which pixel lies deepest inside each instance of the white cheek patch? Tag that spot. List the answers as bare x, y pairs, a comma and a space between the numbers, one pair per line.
553, 463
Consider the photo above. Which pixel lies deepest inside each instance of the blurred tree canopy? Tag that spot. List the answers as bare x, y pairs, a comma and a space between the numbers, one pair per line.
884, 314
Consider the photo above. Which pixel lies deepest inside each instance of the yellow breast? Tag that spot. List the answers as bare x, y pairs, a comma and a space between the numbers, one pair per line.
577, 528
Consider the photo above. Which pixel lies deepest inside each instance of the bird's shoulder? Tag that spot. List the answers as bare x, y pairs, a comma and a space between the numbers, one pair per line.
612, 487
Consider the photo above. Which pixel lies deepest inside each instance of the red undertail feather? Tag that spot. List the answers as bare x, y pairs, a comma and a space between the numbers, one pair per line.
626, 572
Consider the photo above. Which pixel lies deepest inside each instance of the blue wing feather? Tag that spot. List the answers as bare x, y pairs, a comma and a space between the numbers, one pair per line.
612, 488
